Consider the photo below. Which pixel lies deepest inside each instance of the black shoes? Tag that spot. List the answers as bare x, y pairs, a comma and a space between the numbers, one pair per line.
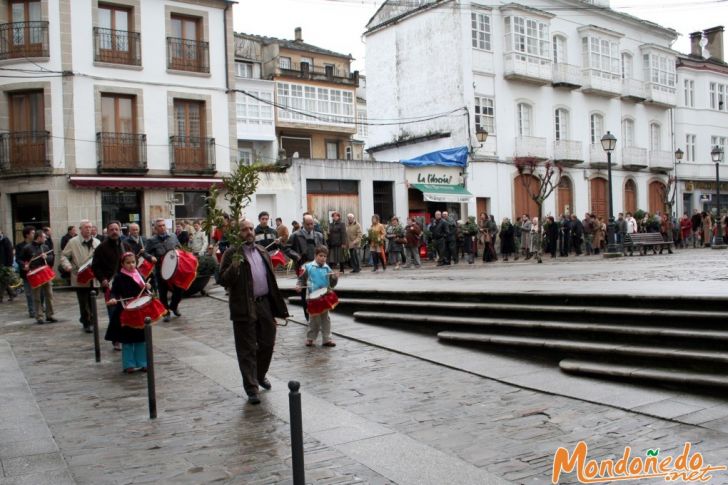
88, 329
265, 384
176, 312
253, 399
51, 320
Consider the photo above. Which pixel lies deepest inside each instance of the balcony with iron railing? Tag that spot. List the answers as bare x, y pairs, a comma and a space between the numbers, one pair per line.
634, 158
531, 147
661, 94
633, 89
523, 67
304, 70
598, 157
24, 39
568, 152
601, 83
660, 161
192, 155
188, 55
567, 75
117, 47
25, 153
121, 152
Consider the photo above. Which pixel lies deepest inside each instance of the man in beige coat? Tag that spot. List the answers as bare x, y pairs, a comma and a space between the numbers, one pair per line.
78, 251
353, 236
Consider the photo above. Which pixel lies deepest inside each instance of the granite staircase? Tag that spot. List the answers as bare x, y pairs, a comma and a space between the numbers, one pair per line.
668, 340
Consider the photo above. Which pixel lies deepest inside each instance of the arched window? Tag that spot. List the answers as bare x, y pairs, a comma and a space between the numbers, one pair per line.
559, 49
596, 128
525, 117
655, 137
628, 132
656, 193
561, 124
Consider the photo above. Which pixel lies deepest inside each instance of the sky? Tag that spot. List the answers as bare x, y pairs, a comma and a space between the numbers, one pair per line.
338, 24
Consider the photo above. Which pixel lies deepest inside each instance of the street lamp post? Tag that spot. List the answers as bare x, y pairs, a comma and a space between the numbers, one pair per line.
717, 155
609, 143
678, 158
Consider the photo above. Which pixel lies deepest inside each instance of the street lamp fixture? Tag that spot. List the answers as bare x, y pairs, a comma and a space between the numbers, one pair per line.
716, 154
481, 134
609, 143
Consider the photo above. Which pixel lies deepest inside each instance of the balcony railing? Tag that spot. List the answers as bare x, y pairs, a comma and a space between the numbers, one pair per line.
634, 158
660, 161
633, 89
24, 39
304, 70
567, 75
659, 94
568, 152
527, 68
121, 152
531, 147
597, 156
188, 55
600, 82
25, 152
191, 154
117, 46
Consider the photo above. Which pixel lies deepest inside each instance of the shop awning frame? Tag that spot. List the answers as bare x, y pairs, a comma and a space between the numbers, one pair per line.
444, 193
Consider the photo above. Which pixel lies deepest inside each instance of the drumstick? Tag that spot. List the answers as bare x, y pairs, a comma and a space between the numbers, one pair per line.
40, 255
271, 244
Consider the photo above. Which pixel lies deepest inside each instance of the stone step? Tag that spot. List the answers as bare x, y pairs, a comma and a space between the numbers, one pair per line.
537, 325
589, 347
429, 307
669, 376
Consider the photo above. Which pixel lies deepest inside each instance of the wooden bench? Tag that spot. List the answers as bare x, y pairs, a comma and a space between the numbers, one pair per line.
645, 240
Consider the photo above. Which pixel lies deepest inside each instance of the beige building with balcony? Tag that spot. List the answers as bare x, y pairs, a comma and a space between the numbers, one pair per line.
119, 110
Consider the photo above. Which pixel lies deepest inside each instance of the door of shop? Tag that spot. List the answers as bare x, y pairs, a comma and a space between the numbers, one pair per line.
122, 206
599, 197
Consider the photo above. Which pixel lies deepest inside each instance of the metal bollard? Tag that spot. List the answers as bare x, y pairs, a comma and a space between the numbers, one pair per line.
294, 402
95, 324
151, 387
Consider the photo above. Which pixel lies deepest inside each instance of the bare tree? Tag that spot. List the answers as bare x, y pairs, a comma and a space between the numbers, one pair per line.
540, 179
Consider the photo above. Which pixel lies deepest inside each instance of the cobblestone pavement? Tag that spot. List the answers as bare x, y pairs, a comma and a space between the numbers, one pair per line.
206, 433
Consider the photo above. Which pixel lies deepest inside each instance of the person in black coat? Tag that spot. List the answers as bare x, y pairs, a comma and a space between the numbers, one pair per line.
128, 284
507, 234
552, 236
577, 232
6, 261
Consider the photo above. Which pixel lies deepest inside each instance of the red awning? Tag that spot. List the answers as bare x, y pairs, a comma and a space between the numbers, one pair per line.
92, 182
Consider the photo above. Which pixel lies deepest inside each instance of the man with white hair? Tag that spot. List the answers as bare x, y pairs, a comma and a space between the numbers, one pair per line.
78, 251
157, 246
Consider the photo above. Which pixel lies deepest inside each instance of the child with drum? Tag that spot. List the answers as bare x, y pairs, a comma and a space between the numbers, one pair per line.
319, 280
128, 286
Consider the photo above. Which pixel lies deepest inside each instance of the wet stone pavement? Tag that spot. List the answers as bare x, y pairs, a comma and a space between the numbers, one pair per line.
206, 433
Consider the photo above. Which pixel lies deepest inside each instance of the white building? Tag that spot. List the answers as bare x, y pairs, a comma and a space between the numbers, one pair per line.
121, 110
701, 122
543, 83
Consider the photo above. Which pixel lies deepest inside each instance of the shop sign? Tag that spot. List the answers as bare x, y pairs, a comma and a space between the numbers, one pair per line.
433, 175
705, 185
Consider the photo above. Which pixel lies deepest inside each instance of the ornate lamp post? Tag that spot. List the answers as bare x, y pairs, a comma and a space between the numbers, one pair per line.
678, 158
609, 143
717, 155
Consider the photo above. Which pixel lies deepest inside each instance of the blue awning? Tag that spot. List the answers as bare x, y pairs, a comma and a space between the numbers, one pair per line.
451, 157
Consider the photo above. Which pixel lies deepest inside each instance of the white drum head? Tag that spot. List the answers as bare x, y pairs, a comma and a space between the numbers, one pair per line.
318, 293
139, 302
36, 270
169, 264
140, 262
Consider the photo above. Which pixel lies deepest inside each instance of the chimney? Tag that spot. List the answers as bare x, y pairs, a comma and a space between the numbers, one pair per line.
715, 42
696, 49
298, 34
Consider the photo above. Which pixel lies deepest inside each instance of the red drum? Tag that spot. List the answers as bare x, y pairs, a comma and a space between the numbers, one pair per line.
135, 311
278, 258
41, 276
145, 267
85, 273
179, 268
321, 300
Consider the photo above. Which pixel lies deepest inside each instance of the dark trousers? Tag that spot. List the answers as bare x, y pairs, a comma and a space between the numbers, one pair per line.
441, 248
452, 251
354, 259
254, 342
164, 288
84, 304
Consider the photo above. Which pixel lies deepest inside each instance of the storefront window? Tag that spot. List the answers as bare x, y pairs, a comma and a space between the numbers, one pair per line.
122, 206
29, 209
192, 207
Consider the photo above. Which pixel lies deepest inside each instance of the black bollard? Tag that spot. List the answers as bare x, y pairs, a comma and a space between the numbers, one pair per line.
95, 323
294, 402
151, 387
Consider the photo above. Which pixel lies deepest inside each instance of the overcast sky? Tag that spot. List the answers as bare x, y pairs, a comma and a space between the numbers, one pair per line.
338, 24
